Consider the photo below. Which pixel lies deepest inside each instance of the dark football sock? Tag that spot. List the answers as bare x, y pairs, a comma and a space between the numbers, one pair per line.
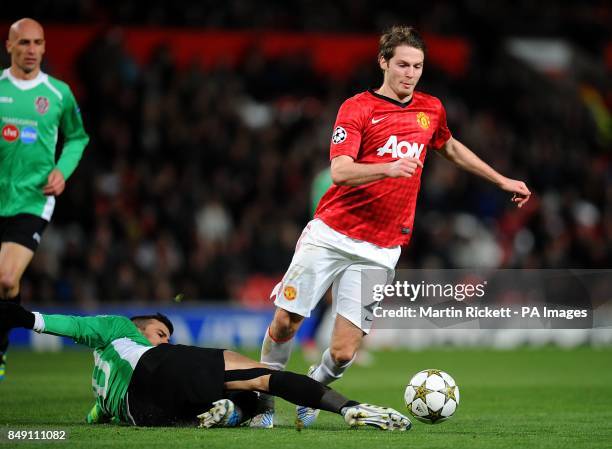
4, 342
302, 390
248, 403
4, 333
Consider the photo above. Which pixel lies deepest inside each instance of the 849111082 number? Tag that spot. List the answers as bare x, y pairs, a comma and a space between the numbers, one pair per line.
16, 435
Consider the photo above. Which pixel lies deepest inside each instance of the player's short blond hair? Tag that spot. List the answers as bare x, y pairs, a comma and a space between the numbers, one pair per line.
399, 35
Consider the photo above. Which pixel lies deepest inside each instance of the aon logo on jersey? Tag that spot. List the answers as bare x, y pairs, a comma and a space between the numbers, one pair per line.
401, 149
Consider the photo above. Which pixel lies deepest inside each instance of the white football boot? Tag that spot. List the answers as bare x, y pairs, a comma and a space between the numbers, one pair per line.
383, 418
222, 414
265, 419
306, 416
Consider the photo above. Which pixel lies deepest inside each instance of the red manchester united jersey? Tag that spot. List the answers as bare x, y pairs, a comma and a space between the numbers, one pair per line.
374, 129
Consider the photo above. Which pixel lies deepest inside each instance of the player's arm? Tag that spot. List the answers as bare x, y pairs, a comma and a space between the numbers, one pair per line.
344, 150
456, 152
94, 332
97, 416
346, 172
75, 141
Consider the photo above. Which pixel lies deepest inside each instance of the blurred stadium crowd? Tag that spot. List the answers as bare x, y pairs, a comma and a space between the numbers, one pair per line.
586, 21
198, 181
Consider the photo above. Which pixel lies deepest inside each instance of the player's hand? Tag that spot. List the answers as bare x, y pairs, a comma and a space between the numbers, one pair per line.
403, 168
13, 315
97, 416
55, 183
521, 193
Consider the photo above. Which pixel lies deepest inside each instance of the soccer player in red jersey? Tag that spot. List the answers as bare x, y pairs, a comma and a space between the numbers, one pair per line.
378, 147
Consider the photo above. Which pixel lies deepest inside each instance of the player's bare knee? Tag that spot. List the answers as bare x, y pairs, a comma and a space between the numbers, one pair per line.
341, 355
285, 325
281, 331
9, 285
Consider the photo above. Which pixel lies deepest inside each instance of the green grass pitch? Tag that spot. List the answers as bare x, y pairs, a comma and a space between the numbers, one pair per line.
529, 398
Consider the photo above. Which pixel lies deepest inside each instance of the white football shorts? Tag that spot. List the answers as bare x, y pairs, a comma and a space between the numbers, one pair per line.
325, 257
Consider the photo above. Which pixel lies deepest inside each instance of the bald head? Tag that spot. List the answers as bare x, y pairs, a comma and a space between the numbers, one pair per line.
26, 45
25, 26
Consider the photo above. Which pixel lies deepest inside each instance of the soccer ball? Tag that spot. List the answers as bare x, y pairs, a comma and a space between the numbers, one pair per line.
432, 396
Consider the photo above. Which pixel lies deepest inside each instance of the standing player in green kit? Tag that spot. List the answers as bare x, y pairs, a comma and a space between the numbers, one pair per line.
34, 107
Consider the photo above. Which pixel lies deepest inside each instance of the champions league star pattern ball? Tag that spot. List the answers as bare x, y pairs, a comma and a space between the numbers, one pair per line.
432, 396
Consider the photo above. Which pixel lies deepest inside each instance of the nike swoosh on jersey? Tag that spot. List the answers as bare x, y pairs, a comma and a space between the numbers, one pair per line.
375, 121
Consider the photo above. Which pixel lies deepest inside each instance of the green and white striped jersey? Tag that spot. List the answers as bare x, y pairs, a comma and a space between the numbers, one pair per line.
32, 112
117, 345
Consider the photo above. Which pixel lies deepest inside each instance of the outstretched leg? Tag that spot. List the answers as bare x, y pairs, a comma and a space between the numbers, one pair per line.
14, 259
292, 387
299, 389
242, 373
